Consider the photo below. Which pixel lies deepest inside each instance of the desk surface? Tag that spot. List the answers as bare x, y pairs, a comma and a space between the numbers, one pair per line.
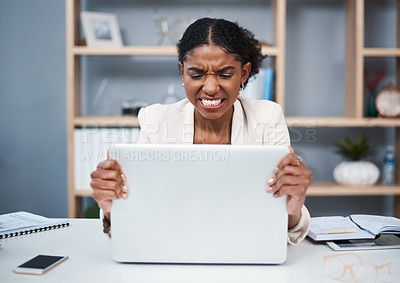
89, 252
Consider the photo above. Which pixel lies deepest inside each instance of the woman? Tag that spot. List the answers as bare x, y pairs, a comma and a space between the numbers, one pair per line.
216, 59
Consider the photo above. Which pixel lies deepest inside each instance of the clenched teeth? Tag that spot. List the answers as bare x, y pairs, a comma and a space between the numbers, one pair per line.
211, 102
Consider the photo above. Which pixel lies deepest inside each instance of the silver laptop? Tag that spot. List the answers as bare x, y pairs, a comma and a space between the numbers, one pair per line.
199, 204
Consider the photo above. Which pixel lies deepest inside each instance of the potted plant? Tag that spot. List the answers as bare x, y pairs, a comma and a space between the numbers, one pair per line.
355, 171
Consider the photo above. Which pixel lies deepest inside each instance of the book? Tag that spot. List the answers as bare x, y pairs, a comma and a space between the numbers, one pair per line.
383, 242
254, 88
356, 226
268, 84
21, 223
90, 147
261, 86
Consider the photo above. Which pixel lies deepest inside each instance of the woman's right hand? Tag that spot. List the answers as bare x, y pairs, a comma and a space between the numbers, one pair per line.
108, 184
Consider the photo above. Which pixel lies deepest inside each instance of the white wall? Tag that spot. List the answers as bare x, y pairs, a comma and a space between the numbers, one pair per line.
32, 107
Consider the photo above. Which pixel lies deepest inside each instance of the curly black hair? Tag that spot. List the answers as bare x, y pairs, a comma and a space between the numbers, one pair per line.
228, 35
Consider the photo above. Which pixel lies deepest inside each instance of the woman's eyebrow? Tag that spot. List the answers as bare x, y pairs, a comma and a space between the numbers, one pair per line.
222, 70
197, 70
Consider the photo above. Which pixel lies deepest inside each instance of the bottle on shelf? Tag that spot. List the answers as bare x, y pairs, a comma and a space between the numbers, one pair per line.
171, 96
388, 174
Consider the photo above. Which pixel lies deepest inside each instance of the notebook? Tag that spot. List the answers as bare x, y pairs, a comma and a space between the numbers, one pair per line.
199, 204
22, 222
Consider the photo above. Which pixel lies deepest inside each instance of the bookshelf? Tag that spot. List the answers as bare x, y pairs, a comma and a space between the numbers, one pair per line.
355, 55
75, 52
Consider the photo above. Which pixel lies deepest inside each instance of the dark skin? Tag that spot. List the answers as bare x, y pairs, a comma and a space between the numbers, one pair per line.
108, 185
292, 178
212, 80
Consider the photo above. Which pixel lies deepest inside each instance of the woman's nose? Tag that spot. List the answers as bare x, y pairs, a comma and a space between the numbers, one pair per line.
210, 85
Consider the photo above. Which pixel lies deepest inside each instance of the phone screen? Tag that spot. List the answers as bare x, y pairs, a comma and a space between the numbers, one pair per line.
41, 261
39, 264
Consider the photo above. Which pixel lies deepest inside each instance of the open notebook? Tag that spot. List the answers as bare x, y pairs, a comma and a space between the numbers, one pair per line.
199, 204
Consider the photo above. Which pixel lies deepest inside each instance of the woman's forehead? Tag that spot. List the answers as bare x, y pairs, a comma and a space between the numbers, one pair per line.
210, 55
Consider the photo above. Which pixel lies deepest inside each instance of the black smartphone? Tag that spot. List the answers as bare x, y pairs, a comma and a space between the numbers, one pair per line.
40, 264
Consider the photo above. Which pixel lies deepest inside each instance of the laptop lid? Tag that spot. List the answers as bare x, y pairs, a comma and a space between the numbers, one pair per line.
199, 204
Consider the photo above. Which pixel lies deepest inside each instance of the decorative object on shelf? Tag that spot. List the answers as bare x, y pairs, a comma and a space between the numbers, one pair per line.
101, 30
372, 83
183, 24
132, 107
388, 102
171, 96
356, 171
164, 26
99, 93
170, 29
388, 174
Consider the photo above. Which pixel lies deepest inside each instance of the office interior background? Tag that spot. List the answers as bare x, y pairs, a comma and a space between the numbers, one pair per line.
33, 149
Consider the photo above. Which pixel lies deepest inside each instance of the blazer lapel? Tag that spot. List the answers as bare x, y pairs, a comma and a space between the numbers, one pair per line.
188, 125
238, 134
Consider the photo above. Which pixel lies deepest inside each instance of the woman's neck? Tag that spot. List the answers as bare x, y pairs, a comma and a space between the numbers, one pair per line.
216, 131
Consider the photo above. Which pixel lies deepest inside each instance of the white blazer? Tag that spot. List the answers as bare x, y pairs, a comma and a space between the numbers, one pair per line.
255, 122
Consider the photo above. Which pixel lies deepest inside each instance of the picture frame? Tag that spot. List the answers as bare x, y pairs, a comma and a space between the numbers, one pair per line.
101, 29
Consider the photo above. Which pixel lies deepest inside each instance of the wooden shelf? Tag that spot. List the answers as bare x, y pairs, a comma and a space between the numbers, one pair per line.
83, 192
143, 51
381, 52
319, 188
341, 122
270, 51
127, 51
111, 121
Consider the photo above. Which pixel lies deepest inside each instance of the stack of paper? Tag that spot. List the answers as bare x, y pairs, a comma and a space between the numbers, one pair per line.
90, 148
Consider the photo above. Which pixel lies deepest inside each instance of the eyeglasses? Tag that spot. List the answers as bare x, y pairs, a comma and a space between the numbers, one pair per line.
336, 267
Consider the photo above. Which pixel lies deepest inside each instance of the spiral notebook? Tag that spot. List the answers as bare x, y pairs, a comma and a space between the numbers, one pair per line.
21, 223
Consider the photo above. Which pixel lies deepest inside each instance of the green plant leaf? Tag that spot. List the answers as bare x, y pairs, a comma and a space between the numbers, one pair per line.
354, 150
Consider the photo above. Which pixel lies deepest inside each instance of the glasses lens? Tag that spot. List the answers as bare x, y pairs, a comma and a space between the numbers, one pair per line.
366, 272
334, 267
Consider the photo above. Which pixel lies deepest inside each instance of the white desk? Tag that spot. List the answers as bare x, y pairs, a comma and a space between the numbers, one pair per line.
90, 261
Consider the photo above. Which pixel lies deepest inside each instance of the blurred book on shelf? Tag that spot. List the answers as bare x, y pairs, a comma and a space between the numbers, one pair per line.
261, 86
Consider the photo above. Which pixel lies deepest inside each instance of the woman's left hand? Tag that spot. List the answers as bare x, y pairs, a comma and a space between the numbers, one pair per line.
292, 178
